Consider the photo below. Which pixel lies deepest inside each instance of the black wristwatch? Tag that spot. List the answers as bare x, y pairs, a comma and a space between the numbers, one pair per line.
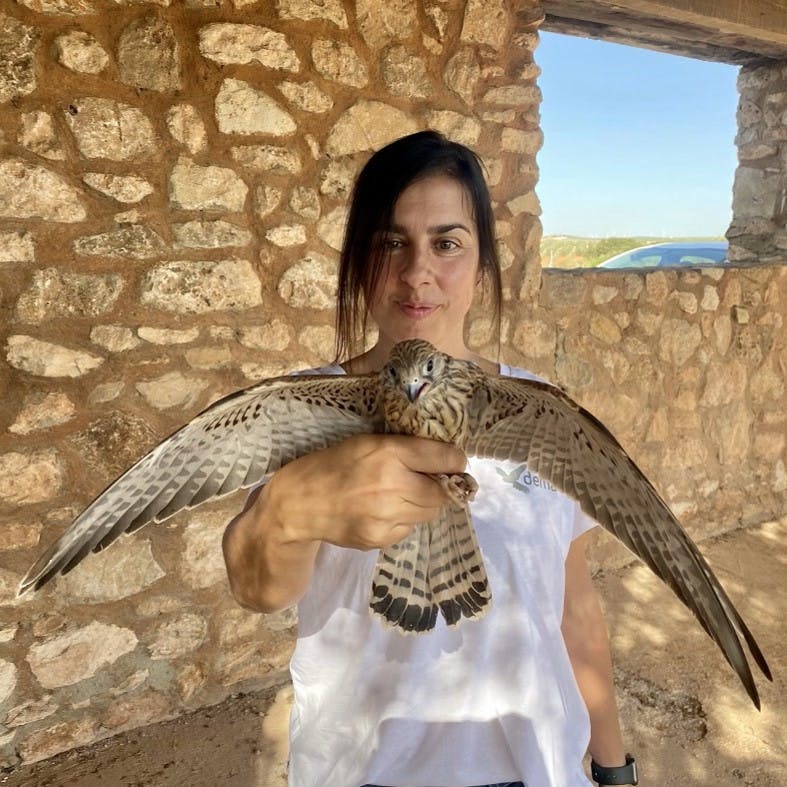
622, 774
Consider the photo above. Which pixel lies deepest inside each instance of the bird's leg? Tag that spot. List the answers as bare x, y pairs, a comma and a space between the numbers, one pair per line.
460, 487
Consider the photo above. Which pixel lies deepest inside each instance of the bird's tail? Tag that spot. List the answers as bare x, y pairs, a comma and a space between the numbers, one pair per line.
437, 567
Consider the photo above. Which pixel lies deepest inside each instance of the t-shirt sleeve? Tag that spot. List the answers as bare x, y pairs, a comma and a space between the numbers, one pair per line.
582, 523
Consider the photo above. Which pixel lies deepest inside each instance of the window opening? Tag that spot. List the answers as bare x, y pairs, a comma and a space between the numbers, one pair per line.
639, 149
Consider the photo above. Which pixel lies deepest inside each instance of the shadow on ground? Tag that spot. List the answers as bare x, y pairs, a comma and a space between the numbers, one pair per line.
686, 718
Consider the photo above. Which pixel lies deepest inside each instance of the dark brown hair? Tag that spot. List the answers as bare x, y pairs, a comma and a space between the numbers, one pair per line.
378, 186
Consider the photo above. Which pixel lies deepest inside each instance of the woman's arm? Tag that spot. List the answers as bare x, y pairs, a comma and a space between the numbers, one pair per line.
365, 493
585, 634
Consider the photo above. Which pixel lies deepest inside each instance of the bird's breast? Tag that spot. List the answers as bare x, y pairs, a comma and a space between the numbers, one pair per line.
433, 417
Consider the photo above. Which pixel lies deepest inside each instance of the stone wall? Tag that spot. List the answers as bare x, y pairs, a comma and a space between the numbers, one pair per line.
687, 368
759, 205
173, 180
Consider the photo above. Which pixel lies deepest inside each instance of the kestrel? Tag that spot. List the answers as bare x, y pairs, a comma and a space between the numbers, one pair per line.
236, 442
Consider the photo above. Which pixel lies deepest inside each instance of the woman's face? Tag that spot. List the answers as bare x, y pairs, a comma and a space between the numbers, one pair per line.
432, 267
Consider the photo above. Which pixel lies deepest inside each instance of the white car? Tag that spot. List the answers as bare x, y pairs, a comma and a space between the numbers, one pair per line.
664, 255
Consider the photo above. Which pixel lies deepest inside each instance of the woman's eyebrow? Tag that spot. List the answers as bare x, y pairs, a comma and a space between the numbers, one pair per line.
438, 229
441, 228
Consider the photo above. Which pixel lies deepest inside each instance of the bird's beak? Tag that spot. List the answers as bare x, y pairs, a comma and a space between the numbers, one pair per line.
414, 388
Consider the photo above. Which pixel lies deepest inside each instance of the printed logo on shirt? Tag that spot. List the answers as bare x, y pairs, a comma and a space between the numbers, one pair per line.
524, 480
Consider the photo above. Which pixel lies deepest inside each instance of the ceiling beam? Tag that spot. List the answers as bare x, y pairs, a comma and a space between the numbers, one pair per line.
729, 31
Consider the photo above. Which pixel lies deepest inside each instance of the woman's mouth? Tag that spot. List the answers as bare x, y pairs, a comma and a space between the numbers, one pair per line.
417, 311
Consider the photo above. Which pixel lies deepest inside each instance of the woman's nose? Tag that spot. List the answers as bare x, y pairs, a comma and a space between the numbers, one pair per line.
416, 265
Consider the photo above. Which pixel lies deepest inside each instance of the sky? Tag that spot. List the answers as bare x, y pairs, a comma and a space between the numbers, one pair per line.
636, 142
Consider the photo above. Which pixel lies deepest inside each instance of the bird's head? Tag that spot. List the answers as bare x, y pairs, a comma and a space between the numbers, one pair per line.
413, 369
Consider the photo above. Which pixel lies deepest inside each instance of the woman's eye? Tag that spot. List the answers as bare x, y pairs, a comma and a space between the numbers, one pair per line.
392, 243
446, 244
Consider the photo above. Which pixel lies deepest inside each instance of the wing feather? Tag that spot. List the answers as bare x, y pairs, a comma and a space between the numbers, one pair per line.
400, 592
536, 423
233, 444
457, 574
437, 566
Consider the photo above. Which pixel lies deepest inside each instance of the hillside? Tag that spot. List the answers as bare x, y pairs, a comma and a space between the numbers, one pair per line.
568, 251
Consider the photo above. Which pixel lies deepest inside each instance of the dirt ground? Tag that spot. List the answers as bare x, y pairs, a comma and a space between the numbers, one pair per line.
686, 718
220, 745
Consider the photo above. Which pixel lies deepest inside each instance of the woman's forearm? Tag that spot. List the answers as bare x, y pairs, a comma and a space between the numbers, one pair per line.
268, 570
585, 634
593, 672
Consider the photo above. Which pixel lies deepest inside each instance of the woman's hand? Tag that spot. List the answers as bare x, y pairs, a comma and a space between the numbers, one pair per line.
366, 493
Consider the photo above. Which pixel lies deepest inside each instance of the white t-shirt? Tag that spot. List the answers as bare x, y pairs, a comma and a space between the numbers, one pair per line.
487, 701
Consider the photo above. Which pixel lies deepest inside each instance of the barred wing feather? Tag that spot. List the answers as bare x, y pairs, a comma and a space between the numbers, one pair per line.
231, 445
536, 423
437, 567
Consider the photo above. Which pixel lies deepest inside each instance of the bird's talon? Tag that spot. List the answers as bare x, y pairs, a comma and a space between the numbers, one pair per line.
460, 487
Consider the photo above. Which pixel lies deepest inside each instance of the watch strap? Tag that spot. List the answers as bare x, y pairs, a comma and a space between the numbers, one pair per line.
621, 774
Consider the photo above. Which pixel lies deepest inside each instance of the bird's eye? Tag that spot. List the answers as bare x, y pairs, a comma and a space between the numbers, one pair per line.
430, 366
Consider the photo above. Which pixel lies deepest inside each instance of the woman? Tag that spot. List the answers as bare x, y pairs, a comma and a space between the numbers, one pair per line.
518, 695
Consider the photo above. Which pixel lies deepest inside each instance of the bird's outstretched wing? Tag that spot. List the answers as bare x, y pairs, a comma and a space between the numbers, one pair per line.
536, 423
231, 445
437, 567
